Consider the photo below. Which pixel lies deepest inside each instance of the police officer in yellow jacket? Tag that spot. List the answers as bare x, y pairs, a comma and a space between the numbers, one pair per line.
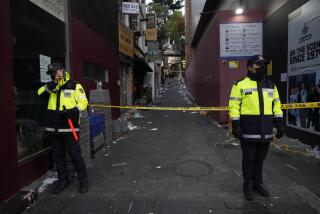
254, 109
66, 100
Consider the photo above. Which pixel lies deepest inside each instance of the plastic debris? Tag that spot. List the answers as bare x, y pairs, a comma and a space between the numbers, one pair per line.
137, 115
154, 129
158, 167
132, 127
45, 184
30, 198
292, 167
119, 164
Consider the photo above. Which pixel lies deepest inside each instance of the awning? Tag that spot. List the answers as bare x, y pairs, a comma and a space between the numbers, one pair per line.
140, 65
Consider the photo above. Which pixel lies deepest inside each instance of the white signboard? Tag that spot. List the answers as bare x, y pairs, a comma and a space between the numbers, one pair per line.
130, 8
240, 40
283, 77
44, 62
54, 7
304, 65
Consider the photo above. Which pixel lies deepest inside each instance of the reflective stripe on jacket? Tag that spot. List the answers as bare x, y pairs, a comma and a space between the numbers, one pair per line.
255, 104
69, 94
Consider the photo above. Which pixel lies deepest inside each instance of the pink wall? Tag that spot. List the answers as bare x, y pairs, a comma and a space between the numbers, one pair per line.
86, 45
209, 79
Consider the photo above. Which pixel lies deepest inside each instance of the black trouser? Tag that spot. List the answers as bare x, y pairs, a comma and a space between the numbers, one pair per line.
59, 142
253, 155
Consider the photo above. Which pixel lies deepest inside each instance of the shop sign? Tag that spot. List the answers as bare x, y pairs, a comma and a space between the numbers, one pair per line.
126, 40
153, 51
44, 62
303, 81
151, 34
130, 8
240, 40
151, 21
54, 7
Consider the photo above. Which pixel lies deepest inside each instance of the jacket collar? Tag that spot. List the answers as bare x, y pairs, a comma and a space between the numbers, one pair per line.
64, 80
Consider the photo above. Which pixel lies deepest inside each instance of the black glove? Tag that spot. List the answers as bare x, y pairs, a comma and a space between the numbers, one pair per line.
279, 124
236, 129
51, 86
70, 113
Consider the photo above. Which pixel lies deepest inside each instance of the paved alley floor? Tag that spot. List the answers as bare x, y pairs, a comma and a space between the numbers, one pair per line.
182, 162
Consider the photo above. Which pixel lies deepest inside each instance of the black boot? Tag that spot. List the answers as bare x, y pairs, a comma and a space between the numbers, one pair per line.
84, 186
261, 190
60, 186
248, 192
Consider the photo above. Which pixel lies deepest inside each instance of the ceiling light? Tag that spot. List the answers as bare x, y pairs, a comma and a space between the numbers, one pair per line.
239, 11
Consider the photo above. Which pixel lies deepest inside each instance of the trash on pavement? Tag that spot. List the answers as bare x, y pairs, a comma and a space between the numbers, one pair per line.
45, 184
29, 199
292, 167
131, 126
154, 129
119, 164
137, 115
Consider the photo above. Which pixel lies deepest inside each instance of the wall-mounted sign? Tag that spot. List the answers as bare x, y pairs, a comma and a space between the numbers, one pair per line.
269, 68
153, 51
151, 23
304, 66
233, 64
54, 7
283, 77
240, 40
130, 8
126, 45
151, 34
44, 62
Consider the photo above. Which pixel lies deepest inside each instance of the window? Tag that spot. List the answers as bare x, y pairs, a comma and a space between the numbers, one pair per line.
95, 72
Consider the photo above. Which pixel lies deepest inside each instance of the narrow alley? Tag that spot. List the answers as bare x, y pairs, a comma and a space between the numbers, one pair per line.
184, 162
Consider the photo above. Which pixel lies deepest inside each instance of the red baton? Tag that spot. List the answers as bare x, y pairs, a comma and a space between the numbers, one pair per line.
72, 127
73, 130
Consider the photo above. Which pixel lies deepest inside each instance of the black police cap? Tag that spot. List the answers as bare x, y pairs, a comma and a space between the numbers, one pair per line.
257, 59
53, 67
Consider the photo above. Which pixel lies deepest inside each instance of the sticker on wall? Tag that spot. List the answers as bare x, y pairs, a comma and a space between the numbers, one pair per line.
269, 68
233, 64
283, 77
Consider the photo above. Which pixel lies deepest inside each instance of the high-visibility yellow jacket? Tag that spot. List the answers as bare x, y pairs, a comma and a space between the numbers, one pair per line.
255, 104
68, 93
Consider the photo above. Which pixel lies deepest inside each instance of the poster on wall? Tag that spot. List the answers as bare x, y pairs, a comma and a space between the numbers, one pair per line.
44, 62
304, 66
240, 40
54, 7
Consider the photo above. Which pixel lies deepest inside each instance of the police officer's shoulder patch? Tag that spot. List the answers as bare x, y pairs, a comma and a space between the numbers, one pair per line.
236, 82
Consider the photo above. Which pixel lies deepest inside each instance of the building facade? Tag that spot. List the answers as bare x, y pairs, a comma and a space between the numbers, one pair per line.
214, 64
83, 35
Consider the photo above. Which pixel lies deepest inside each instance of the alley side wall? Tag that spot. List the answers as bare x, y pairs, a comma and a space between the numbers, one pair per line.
209, 78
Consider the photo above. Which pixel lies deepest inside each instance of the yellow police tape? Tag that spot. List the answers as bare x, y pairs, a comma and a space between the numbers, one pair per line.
220, 108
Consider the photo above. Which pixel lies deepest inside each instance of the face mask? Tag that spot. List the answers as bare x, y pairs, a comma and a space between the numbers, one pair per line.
261, 72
